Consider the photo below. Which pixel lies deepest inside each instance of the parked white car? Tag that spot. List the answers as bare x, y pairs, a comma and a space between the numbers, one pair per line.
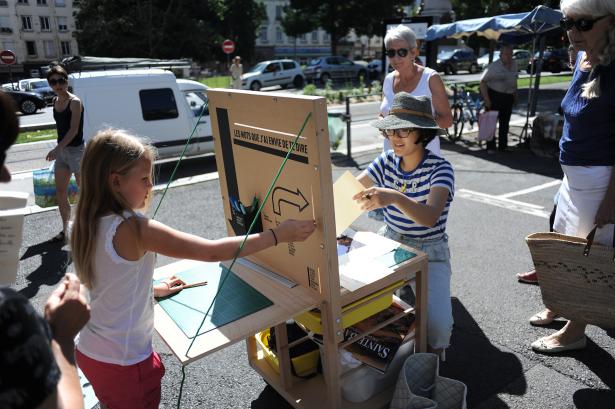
150, 103
275, 72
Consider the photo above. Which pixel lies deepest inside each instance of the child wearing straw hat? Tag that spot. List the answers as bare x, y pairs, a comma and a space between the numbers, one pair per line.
415, 188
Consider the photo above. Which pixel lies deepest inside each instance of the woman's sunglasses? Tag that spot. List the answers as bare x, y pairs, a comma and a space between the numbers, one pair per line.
402, 52
582, 24
59, 81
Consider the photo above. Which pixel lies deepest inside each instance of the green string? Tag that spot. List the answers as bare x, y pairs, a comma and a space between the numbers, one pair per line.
273, 182
164, 193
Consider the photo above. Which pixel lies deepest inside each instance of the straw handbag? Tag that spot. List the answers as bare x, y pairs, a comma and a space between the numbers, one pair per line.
577, 279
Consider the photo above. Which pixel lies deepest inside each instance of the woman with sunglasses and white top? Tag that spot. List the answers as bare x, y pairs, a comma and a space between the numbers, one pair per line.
68, 114
410, 77
587, 146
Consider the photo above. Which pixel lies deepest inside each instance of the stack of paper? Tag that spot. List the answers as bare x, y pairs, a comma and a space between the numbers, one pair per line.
12, 211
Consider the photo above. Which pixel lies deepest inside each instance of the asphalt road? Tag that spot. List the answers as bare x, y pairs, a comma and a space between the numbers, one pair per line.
490, 346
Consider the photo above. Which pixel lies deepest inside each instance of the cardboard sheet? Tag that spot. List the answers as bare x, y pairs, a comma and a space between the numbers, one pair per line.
254, 133
346, 209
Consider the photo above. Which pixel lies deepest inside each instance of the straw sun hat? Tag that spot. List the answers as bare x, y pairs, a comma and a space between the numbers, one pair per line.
408, 111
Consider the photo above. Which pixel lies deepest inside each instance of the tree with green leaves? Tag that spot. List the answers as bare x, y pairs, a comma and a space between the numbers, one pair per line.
338, 17
167, 28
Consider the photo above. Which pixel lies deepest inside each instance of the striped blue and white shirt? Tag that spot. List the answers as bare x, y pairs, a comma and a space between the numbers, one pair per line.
385, 171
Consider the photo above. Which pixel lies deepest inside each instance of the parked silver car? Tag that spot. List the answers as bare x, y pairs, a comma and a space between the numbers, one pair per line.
274, 72
334, 67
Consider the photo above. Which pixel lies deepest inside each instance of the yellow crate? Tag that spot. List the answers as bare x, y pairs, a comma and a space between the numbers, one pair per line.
304, 365
311, 319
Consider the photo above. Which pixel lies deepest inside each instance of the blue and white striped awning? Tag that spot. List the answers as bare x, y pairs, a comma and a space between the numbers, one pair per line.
508, 26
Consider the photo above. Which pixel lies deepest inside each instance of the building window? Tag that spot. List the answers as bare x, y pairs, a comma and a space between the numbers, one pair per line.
50, 49
263, 35
279, 12
327, 38
5, 25
45, 23
41, 2
303, 39
4, 3
60, 3
26, 23
31, 48
158, 104
22, 1
314, 37
279, 35
62, 24
65, 45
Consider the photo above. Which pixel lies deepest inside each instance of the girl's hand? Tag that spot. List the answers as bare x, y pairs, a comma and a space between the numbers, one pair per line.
67, 309
294, 230
376, 197
168, 286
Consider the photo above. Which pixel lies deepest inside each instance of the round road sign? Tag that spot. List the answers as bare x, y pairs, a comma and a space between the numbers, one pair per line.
7, 57
228, 46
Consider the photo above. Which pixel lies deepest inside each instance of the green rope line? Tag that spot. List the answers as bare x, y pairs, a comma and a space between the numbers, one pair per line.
164, 193
260, 208
273, 182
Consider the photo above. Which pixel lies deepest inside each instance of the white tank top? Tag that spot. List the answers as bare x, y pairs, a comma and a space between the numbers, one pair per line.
121, 326
421, 89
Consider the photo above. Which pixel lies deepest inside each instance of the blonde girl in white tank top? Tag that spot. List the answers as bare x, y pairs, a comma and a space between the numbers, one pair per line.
113, 249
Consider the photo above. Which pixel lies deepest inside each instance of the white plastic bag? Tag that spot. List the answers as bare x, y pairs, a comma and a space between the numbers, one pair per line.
487, 122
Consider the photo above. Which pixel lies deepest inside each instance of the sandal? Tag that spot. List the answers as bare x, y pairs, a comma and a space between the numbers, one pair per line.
58, 237
544, 347
542, 318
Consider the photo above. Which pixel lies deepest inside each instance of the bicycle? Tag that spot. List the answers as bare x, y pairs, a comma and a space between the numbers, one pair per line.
465, 109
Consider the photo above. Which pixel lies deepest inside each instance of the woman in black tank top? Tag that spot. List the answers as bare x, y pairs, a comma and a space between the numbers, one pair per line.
68, 115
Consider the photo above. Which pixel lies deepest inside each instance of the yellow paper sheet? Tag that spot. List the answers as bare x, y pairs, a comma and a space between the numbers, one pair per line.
346, 209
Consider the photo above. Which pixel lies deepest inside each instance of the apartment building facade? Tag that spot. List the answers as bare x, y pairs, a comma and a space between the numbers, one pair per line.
37, 31
272, 42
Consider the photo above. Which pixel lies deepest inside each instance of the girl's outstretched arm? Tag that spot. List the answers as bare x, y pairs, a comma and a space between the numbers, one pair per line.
163, 239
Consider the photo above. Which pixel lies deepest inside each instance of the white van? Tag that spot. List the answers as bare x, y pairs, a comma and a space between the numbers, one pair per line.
149, 103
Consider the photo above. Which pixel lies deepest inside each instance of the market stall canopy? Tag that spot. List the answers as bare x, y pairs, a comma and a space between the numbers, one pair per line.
506, 27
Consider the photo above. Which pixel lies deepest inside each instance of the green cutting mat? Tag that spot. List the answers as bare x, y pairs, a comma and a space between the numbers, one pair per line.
395, 257
236, 299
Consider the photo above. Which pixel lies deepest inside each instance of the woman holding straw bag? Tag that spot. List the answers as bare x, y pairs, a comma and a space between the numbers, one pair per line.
587, 146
